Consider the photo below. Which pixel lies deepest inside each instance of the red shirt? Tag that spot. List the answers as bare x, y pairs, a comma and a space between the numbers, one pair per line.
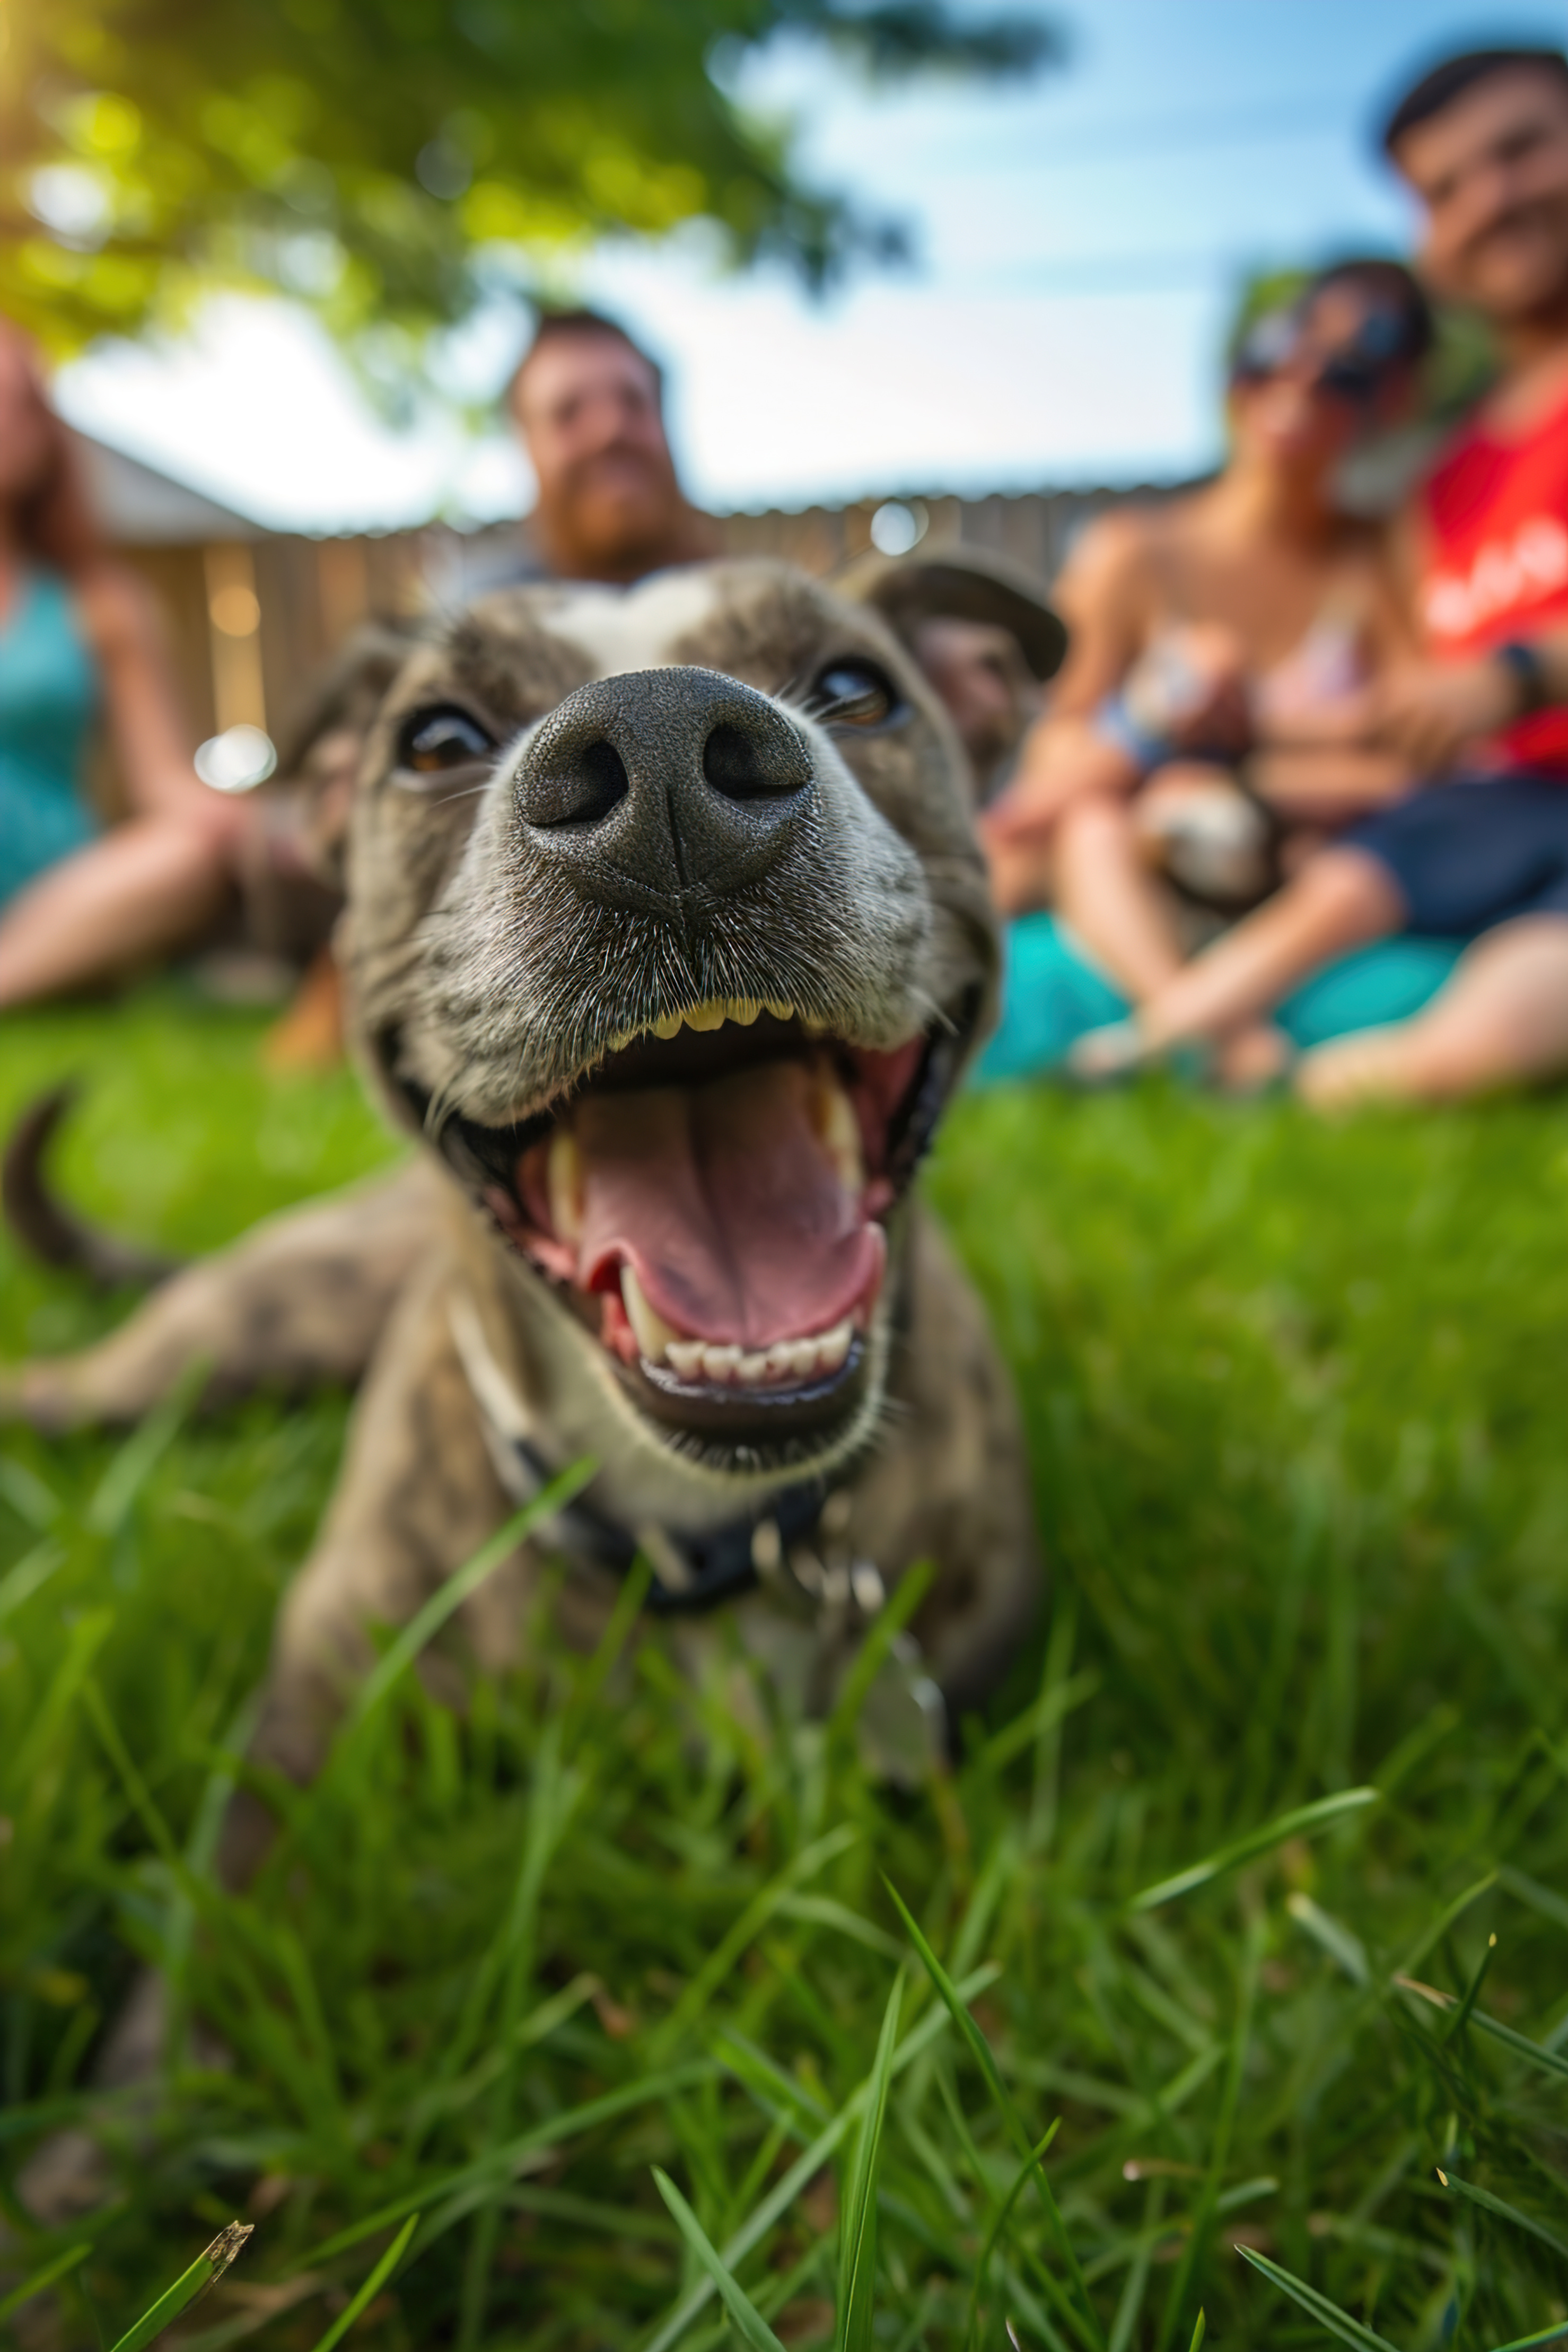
1496, 561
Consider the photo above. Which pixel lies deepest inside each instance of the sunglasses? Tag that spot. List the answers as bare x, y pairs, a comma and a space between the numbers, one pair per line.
1354, 371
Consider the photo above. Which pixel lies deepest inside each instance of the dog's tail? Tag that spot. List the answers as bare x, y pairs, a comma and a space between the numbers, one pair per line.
45, 1226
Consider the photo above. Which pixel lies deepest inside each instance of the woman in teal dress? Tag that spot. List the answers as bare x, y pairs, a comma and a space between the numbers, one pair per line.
80, 645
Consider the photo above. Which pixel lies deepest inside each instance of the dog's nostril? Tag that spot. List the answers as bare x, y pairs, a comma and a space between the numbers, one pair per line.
580, 789
745, 765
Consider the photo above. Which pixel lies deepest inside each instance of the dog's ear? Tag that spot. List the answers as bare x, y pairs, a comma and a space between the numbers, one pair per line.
319, 766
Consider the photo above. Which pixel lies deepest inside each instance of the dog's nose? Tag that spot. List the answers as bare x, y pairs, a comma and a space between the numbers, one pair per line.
662, 780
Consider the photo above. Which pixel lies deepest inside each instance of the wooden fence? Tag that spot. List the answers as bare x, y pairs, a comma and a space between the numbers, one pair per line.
253, 620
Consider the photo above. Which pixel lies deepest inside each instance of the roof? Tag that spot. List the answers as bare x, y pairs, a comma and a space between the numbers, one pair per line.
139, 507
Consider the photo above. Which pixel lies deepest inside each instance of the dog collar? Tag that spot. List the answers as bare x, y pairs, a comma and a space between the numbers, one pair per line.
691, 1572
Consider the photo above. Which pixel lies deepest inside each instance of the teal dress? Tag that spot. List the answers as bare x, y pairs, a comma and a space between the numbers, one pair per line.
49, 702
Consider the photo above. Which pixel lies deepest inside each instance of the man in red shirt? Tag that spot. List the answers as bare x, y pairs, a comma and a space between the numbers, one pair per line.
1481, 849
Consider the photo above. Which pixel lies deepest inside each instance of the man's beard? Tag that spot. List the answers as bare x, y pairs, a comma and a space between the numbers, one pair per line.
617, 522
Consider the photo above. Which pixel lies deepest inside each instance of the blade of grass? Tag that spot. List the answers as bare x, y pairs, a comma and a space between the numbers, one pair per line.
34, 1568
980, 2049
427, 1621
1196, 2250
857, 2234
748, 1926
1318, 2307
749, 2323
1472, 1991
208, 2267
1199, 2333
805, 2168
1548, 2061
1553, 2335
647, 2090
1306, 1820
885, 1627
1505, 2212
373, 2287
41, 2279
139, 1455
998, 2223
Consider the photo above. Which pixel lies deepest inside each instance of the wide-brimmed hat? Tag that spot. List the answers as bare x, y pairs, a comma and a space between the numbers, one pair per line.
960, 584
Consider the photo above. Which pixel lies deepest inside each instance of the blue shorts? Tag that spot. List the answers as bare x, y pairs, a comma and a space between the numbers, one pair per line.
1479, 851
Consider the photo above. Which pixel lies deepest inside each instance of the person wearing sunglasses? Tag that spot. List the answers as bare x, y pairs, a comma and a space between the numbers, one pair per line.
1198, 732
1481, 711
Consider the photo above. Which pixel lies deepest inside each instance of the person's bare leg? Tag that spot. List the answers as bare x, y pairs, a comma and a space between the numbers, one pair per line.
1108, 898
1342, 900
150, 885
1501, 1018
1022, 872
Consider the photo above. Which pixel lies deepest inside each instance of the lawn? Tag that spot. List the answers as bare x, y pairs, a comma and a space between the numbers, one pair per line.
1296, 1402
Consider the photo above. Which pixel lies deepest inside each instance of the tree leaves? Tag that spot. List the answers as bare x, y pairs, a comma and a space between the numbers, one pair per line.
387, 162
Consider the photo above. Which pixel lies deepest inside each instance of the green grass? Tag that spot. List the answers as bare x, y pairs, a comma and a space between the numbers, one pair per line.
1296, 1404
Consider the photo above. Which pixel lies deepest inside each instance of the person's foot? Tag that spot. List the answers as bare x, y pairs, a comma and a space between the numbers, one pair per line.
1369, 1066
1252, 1060
1102, 1055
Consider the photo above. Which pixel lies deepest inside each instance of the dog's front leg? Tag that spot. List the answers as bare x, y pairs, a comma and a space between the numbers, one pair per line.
301, 1300
417, 1496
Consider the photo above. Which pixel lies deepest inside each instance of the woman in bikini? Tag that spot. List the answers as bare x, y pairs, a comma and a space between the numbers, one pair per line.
1220, 644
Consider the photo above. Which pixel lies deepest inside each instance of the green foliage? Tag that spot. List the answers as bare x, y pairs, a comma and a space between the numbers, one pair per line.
383, 159
1293, 1394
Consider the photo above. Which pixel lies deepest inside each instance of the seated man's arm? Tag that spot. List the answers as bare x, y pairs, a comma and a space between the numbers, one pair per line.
1430, 713
1327, 784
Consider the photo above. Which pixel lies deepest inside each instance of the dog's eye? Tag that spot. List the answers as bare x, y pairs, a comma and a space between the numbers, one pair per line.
855, 693
433, 742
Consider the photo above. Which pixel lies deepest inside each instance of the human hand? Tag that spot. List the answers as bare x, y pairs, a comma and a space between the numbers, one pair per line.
1190, 689
1428, 711
1063, 760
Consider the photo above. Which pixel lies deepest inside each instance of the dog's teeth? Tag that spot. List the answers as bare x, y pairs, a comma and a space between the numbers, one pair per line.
812, 1026
780, 1008
752, 1370
721, 1364
621, 1039
563, 1183
705, 1017
653, 1334
781, 1359
670, 1027
833, 1116
686, 1358
743, 1010
833, 1346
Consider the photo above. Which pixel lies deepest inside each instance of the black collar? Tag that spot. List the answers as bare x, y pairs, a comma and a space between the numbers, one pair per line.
691, 1572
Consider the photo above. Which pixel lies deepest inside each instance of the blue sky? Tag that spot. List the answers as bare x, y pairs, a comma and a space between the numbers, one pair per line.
1077, 244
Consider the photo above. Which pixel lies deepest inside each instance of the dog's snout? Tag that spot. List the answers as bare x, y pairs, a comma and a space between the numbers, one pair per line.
663, 780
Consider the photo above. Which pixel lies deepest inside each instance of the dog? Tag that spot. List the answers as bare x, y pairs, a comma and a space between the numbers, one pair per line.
667, 936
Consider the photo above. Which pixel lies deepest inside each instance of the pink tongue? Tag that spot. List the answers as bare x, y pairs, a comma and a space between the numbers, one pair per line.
726, 1206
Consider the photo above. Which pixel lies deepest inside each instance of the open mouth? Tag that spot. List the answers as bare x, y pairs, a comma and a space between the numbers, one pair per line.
711, 1200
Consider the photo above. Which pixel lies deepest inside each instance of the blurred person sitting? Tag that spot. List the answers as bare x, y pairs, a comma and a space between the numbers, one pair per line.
588, 405
79, 640
1201, 723
1482, 850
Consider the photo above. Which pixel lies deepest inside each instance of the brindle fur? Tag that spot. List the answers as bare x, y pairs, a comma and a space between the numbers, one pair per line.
457, 984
